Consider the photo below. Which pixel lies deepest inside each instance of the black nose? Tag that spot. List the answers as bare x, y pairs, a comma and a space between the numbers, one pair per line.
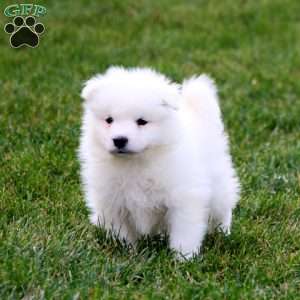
120, 142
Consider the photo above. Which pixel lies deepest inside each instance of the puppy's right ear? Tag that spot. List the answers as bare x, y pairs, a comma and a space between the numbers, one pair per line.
94, 85
91, 87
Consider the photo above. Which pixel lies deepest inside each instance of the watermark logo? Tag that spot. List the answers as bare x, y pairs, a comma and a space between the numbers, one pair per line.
24, 30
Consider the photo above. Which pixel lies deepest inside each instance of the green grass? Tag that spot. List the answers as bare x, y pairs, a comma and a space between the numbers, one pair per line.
47, 246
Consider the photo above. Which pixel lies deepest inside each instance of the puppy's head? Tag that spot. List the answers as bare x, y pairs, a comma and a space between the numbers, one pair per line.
131, 110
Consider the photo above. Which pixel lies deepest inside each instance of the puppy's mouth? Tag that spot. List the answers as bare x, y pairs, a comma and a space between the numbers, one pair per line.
122, 152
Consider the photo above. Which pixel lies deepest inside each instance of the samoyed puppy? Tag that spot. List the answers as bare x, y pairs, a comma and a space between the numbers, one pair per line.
155, 158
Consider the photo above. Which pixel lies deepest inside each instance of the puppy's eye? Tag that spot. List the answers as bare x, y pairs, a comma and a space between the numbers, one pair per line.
141, 122
109, 120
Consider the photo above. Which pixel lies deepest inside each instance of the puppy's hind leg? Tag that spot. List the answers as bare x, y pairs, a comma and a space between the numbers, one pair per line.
220, 220
223, 202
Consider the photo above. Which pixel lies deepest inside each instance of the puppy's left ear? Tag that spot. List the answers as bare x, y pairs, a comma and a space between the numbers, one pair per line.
91, 87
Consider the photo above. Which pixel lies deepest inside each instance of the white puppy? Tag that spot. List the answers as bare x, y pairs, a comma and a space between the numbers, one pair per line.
154, 157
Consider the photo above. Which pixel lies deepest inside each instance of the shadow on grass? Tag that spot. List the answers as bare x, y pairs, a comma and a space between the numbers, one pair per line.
157, 247
146, 247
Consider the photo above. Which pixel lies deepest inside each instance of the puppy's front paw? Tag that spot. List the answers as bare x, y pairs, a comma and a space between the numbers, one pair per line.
185, 256
187, 230
185, 248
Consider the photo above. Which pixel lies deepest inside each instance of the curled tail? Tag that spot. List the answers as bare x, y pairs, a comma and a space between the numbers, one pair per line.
200, 96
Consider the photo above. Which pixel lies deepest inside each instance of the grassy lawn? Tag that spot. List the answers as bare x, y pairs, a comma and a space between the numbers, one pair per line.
49, 250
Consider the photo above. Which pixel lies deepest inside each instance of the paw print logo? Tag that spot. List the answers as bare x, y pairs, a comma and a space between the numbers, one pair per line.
24, 32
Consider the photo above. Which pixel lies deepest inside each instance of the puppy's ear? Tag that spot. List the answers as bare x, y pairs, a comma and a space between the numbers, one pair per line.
200, 94
91, 87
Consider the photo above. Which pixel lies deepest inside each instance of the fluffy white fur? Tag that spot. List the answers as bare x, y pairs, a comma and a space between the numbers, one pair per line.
175, 175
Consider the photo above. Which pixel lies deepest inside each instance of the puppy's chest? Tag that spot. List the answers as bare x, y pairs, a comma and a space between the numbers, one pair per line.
141, 193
